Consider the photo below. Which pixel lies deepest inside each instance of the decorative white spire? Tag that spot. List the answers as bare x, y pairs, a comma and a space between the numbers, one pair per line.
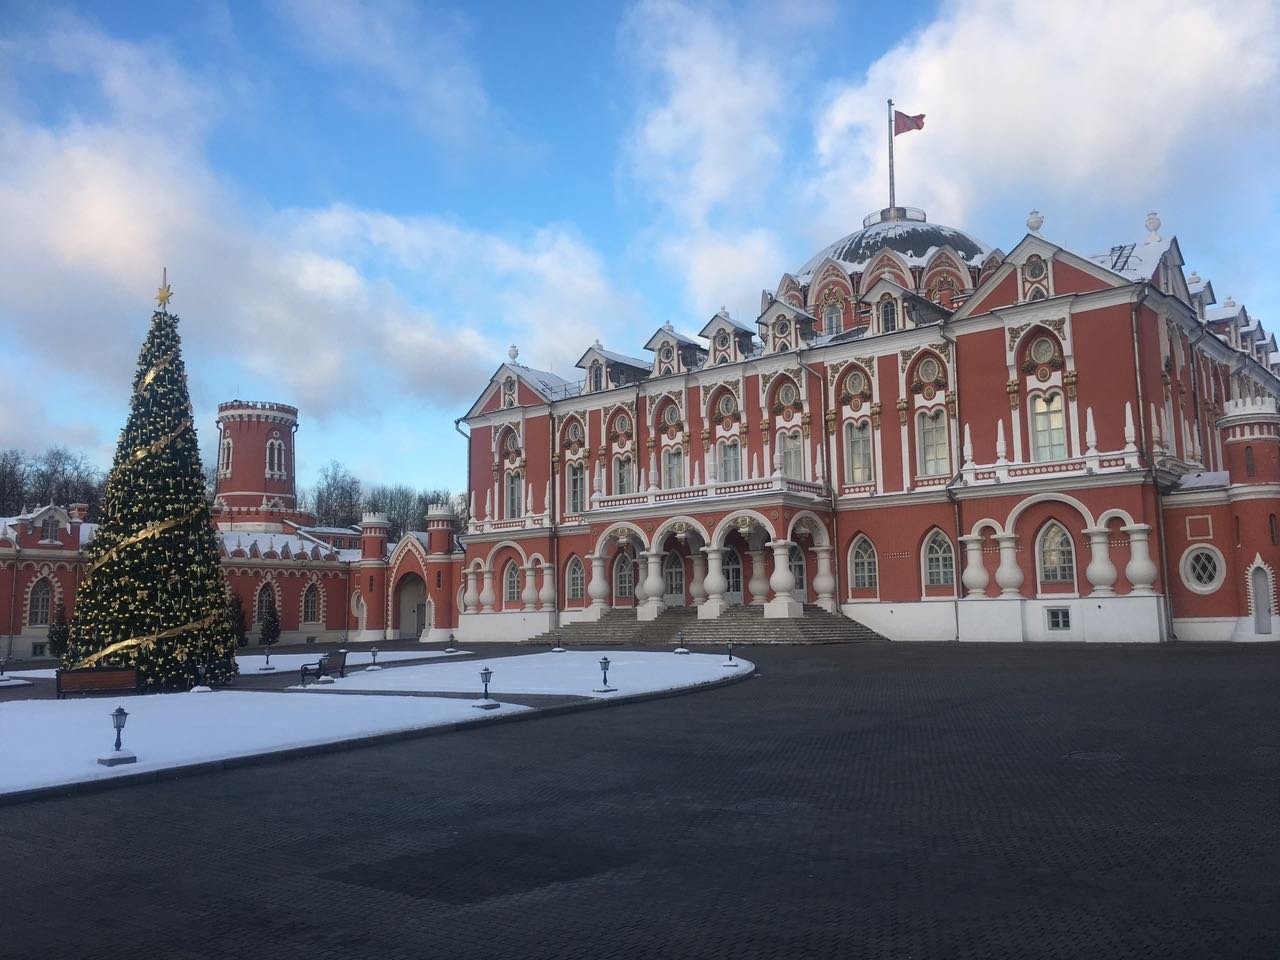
968, 446
1001, 450
1156, 440
1035, 220
1090, 434
1130, 434
546, 500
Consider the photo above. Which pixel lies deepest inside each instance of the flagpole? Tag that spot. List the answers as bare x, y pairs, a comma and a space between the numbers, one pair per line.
891, 196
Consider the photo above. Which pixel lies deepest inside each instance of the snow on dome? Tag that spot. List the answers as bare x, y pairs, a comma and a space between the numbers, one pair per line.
904, 230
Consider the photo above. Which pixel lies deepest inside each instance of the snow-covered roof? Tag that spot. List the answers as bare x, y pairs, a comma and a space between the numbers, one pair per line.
915, 240
285, 545
1133, 261
328, 531
87, 531
1226, 312
722, 316
1205, 479
613, 357
668, 332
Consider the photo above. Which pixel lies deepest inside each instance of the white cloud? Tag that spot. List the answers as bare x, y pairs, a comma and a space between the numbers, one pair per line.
1089, 102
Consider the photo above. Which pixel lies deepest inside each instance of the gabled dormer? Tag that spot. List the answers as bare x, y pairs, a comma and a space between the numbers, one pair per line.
515, 385
784, 326
730, 339
1200, 294
674, 352
888, 306
606, 369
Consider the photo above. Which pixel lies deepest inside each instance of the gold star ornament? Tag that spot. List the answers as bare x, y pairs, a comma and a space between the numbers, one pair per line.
164, 294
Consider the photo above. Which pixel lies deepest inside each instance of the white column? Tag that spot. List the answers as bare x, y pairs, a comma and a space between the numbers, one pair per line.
975, 577
597, 590
1139, 571
783, 605
716, 585
529, 595
1101, 572
824, 581
758, 586
1008, 574
653, 588
698, 589
471, 597
547, 595
640, 589
487, 596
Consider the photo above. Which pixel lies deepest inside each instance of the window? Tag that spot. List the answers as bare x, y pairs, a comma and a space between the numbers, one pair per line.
795, 562
597, 378
730, 456
933, 444
1203, 569
792, 455
577, 578
672, 467
732, 569
939, 561
863, 563
622, 476
857, 452
439, 579
575, 432
311, 604
513, 495
888, 315
1048, 429
1057, 556
41, 599
831, 318
673, 575
787, 394
275, 458
1059, 618
728, 404
511, 583
49, 529
1248, 462
266, 602
39, 649
226, 456
577, 488
1043, 350
624, 577
929, 370
671, 416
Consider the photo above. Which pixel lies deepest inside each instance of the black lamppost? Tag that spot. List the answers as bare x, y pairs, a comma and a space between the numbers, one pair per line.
201, 670
558, 648
730, 662
373, 652
485, 703
118, 717
680, 647
604, 670
451, 648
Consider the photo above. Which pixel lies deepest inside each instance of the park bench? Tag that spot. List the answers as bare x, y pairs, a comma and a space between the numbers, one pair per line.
97, 680
327, 665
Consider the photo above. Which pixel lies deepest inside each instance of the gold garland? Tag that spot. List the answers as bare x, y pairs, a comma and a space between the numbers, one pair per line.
143, 452
146, 533
156, 369
147, 641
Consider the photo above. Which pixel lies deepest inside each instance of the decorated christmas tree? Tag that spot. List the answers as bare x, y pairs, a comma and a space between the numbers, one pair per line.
155, 596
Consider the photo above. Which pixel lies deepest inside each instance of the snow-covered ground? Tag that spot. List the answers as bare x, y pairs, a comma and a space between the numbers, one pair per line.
576, 673
52, 742
9, 680
284, 662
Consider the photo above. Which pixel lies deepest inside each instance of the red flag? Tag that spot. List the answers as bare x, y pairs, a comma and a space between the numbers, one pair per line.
902, 123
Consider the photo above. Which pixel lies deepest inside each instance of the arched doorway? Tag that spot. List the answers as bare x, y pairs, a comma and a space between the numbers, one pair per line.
731, 564
411, 606
673, 579
1261, 601
624, 581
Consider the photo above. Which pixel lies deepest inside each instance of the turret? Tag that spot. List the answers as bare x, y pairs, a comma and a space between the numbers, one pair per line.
256, 477
1251, 439
440, 524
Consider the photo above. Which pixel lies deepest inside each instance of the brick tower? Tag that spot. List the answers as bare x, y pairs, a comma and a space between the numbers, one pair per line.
256, 483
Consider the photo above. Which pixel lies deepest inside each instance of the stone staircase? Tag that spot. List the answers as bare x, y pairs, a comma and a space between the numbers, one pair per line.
741, 624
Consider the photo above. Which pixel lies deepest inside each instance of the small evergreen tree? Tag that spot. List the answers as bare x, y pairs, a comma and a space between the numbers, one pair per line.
270, 629
59, 632
155, 596
235, 613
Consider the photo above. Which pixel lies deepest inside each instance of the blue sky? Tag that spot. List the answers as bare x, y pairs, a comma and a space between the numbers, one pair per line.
362, 205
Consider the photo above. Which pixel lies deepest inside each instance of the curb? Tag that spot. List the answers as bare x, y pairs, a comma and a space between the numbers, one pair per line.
288, 753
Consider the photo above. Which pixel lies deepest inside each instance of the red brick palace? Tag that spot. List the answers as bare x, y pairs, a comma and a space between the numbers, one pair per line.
928, 435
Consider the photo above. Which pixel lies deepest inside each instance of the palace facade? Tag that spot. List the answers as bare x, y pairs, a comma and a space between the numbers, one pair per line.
919, 432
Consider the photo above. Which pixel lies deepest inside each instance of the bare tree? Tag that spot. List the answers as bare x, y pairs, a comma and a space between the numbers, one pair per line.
336, 496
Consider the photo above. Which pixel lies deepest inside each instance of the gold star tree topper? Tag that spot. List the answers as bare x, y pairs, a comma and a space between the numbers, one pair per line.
164, 294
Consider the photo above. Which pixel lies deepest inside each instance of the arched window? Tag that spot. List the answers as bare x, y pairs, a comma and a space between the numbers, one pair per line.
831, 318
622, 479
792, 454
673, 575
275, 458
311, 604
265, 601
577, 488
624, 577
888, 315
41, 600
597, 378
1048, 428
577, 580
1057, 556
49, 529
513, 495
511, 583
933, 444
672, 468
795, 560
731, 566
1248, 462
226, 455
863, 562
939, 561
730, 457
857, 451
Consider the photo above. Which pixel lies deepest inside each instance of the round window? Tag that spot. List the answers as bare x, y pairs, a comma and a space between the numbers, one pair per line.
781, 327
513, 442
857, 382
1034, 269
787, 394
509, 385
728, 404
722, 339
575, 432
929, 370
667, 352
1203, 568
623, 424
672, 415
1042, 350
